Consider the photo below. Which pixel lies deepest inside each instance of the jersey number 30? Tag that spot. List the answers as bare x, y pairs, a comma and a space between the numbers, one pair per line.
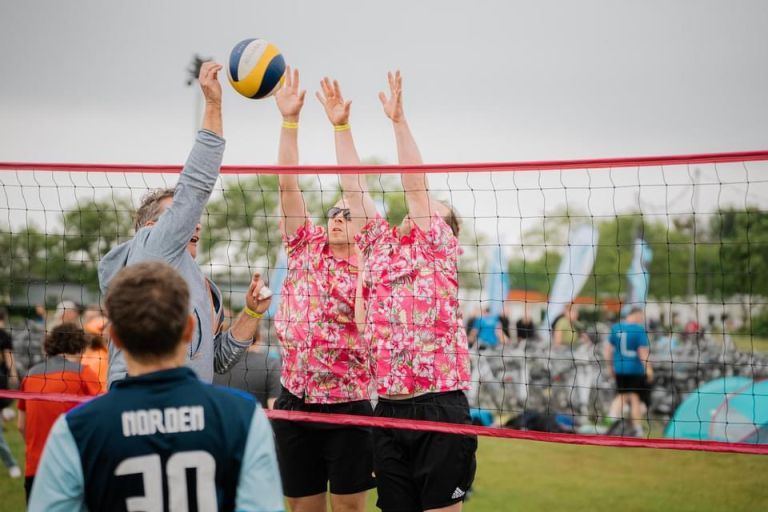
151, 471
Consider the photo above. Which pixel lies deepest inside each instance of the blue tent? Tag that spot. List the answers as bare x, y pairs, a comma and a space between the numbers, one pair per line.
730, 409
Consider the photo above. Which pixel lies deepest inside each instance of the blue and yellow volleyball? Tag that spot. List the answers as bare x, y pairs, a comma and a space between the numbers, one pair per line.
256, 68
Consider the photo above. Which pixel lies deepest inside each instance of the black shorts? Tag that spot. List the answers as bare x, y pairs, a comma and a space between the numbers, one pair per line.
423, 470
634, 384
311, 455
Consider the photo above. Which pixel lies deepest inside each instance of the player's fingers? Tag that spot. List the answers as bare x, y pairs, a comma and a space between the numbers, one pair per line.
383, 98
320, 98
337, 88
327, 89
287, 75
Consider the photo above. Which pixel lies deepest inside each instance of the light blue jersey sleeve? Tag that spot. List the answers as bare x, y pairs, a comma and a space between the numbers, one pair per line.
259, 487
58, 484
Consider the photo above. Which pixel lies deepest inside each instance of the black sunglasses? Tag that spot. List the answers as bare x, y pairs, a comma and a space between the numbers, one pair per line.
333, 212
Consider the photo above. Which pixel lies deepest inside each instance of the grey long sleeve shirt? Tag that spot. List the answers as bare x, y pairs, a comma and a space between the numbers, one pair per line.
167, 241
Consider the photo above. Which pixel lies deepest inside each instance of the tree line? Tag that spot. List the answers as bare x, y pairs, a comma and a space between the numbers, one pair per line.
717, 256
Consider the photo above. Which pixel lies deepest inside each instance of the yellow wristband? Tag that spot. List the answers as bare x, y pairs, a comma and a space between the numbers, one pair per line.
290, 126
251, 313
341, 127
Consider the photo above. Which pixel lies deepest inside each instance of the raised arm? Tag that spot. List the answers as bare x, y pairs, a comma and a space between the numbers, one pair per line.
421, 206
290, 100
172, 231
353, 186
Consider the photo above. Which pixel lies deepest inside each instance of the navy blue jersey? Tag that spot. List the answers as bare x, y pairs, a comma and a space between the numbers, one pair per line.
163, 441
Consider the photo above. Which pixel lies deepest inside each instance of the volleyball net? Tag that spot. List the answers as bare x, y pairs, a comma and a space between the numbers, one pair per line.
554, 255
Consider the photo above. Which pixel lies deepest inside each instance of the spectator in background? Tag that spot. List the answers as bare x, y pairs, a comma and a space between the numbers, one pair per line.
257, 372
564, 331
469, 324
487, 330
92, 312
504, 321
8, 378
627, 357
96, 356
39, 316
61, 372
526, 329
67, 312
691, 330
729, 347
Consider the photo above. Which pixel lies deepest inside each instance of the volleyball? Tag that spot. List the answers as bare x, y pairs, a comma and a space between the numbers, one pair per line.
256, 68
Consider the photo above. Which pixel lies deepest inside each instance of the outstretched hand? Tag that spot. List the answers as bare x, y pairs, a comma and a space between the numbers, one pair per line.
252, 299
333, 102
290, 97
393, 106
209, 82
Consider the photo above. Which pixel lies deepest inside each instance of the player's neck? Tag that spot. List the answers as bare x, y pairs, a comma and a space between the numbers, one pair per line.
136, 367
342, 251
72, 358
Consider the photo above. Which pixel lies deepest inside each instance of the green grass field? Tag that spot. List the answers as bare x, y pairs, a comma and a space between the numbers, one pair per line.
529, 476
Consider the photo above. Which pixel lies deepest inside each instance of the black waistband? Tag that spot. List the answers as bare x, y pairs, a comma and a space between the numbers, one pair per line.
425, 398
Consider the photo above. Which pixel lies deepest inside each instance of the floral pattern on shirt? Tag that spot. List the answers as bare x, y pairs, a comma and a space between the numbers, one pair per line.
325, 360
414, 323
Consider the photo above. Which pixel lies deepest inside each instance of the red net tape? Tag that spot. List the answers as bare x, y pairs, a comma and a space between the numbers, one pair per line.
642, 161
452, 428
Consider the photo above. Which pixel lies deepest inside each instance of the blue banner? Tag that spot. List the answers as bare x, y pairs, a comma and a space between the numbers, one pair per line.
575, 268
276, 282
638, 277
496, 287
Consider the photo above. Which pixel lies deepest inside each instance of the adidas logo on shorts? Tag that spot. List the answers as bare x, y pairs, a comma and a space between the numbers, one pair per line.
458, 493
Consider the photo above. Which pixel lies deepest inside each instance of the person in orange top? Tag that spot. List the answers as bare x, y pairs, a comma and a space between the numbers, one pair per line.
96, 356
60, 372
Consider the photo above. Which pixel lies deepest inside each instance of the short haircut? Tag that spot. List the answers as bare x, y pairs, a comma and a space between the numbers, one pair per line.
66, 338
148, 305
452, 219
151, 206
634, 310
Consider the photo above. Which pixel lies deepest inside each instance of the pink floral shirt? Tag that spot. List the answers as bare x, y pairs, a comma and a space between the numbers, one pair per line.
324, 358
414, 323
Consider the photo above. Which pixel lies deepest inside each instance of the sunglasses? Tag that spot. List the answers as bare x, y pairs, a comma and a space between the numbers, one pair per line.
333, 212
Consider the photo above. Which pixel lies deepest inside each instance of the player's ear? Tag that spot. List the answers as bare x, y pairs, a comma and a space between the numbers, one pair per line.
189, 330
114, 338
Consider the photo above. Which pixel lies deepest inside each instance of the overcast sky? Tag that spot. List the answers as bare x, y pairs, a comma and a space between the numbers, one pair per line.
104, 81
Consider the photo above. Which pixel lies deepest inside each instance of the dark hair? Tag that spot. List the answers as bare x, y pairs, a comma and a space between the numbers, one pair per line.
452, 219
65, 339
148, 304
96, 342
151, 207
3, 314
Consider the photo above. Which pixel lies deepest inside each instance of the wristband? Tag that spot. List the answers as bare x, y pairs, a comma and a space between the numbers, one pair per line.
341, 127
290, 126
251, 313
